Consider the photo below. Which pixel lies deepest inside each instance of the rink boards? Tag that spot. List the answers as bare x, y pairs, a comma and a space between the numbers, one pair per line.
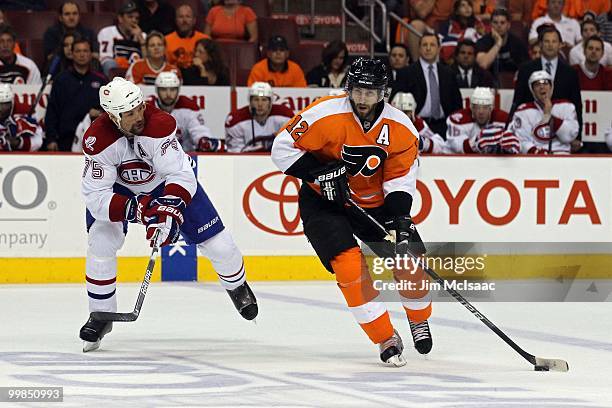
553, 212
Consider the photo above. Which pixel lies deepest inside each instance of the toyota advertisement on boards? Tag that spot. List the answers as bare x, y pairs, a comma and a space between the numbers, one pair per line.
480, 199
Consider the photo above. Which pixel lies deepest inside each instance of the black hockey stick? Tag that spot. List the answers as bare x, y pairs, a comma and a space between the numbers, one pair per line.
539, 363
130, 317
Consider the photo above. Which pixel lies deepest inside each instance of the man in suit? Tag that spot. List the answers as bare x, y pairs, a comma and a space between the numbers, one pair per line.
566, 83
433, 85
468, 73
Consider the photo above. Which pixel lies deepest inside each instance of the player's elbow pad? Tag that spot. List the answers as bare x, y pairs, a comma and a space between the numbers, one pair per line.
303, 167
398, 203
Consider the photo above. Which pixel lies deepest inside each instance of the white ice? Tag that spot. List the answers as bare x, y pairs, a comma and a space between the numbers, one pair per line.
190, 347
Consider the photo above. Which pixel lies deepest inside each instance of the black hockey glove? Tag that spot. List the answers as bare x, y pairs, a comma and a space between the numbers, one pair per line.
333, 181
406, 235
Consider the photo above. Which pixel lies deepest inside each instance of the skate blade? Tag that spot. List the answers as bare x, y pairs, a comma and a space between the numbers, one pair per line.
90, 346
396, 361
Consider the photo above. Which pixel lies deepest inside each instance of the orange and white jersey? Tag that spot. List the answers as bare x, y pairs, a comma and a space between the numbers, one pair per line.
141, 72
113, 45
463, 131
379, 161
535, 136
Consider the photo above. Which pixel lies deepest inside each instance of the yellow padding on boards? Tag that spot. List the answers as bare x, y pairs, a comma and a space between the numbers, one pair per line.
69, 270
295, 268
262, 268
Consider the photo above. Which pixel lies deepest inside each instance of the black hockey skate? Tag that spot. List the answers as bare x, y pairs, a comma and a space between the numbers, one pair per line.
421, 336
245, 301
92, 333
391, 350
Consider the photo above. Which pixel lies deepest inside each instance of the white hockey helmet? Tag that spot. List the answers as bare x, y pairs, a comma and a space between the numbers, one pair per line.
404, 101
538, 76
6, 93
167, 79
482, 96
120, 95
260, 89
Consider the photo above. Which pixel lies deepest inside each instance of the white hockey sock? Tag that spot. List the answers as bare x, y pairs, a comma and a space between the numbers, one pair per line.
104, 240
226, 259
101, 283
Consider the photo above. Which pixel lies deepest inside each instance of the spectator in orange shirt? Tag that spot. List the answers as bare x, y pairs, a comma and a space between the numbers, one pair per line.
277, 69
231, 21
181, 43
144, 71
573, 8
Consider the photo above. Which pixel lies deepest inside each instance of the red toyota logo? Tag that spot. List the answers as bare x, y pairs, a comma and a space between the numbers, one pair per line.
289, 225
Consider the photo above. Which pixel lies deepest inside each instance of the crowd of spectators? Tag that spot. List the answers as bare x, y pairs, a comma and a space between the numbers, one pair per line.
454, 44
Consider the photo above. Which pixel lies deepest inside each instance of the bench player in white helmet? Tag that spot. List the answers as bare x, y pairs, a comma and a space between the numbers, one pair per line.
480, 128
135, 171
192, 132
429, 142
544, 126
253, 127
17, 132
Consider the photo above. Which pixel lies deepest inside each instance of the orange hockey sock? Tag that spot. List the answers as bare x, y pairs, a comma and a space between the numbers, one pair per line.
417, 299
355, 282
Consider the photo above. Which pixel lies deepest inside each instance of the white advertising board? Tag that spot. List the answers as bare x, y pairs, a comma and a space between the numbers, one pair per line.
462, 199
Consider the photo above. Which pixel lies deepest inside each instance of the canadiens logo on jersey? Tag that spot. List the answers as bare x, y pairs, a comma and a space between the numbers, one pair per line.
135, 172
543, 132
89, 142
364, 160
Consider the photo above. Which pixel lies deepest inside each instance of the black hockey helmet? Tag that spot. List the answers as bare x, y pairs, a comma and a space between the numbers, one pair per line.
367, 73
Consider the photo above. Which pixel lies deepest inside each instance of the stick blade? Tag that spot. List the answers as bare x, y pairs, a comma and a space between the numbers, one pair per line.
551, 364
113, 317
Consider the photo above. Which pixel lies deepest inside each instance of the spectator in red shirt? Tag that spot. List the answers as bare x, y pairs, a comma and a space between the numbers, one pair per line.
231, 20
592, 75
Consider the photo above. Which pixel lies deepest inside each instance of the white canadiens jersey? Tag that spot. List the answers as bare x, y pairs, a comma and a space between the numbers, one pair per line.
462, 131
190, 123
430, 142
535, 135
138, 165
244, 134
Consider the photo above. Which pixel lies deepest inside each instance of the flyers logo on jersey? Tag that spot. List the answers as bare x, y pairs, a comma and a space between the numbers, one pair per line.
364, 160
135, 172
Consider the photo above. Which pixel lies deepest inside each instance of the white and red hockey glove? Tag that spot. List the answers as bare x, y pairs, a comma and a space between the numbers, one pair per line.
165, 217
207, 144
488, 139
510, 143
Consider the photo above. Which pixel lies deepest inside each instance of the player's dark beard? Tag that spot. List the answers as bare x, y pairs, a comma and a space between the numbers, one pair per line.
371, 116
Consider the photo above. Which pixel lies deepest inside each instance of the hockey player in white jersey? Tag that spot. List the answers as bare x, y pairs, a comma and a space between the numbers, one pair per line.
429, 142
135, 171
253, 127
480, 128
544, 126
17, 132
192, 132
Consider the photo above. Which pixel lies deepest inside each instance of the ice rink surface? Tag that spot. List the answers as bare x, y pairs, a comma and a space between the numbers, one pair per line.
190, 347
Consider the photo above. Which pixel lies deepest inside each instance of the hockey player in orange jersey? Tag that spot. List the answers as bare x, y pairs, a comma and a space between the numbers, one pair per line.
356, 145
